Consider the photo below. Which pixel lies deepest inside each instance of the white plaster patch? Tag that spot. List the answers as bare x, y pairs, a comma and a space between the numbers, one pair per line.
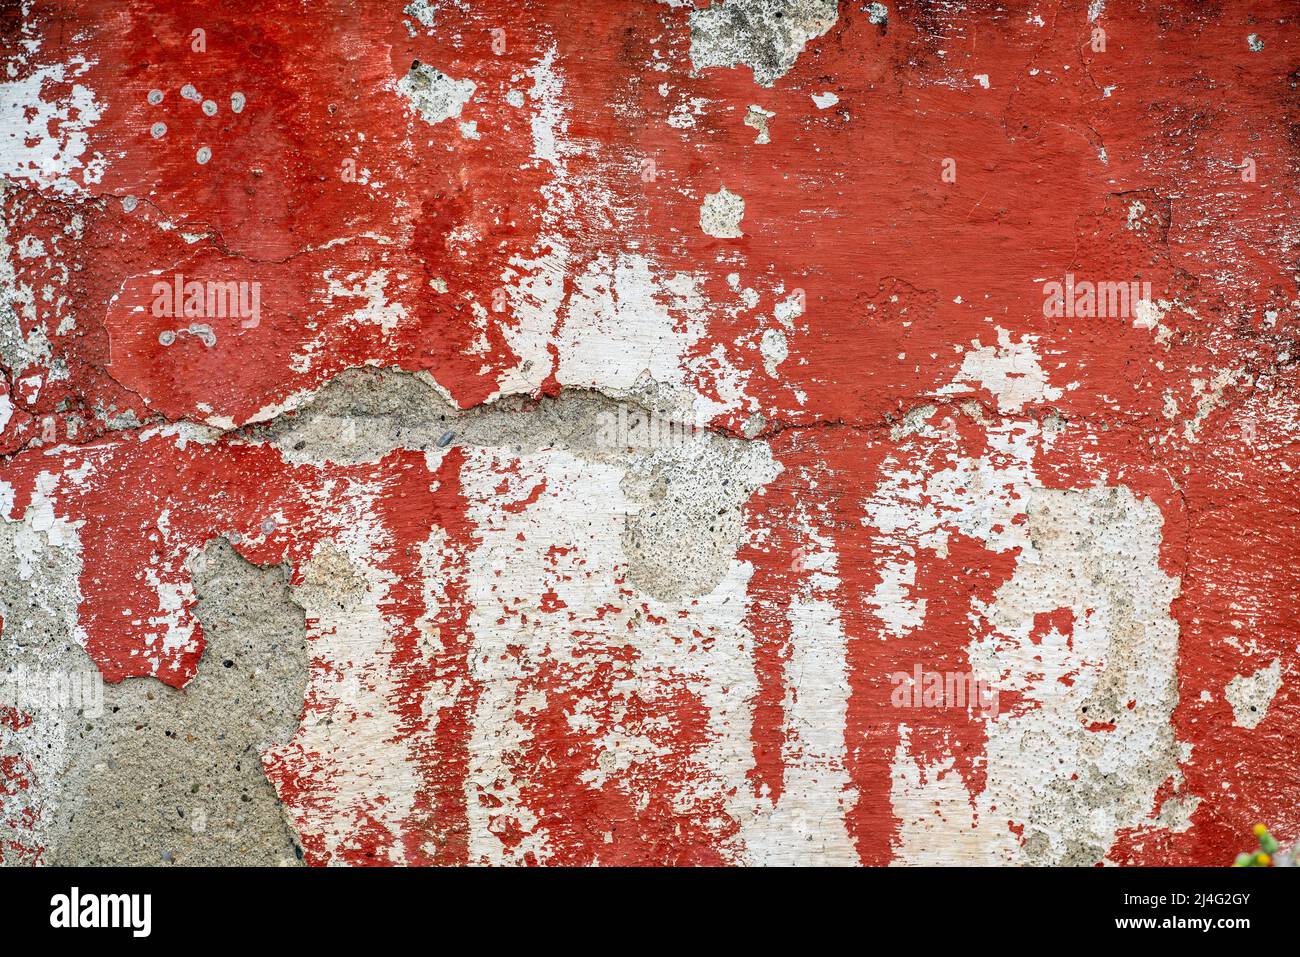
547, 599
549, 123
1250, 695
45, 120
42, 527
622, 321
1082, 634
19, 351
422, 10
1089, 758
982, 498
1210, 396
618, 324
173, 623
807, 827
371, 289
774, 348
351, 764
1147, 313
1010, 370
434, 95
895, 598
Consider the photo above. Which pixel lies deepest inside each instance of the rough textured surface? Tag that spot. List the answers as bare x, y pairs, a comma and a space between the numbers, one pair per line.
166, 776
746, 431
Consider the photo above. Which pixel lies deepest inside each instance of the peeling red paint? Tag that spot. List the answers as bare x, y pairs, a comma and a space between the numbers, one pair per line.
921, 347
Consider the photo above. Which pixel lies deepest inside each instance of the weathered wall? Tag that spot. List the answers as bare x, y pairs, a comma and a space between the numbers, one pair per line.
404, 547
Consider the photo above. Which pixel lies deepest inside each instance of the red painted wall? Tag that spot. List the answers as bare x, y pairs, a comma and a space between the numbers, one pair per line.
1094, 513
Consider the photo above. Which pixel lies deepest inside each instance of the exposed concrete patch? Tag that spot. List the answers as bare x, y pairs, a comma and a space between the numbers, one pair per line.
691, 498
721, 213
594, 518
1098, 553
1088, 757
40, 566
363, 414
166, 776
1250, 695
757, 117
765, 35
774, 348
539, 629
434, 95
422, 10
690, 484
